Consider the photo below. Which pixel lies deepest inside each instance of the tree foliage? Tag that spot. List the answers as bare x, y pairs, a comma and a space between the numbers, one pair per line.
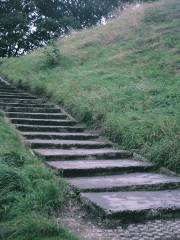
28, 24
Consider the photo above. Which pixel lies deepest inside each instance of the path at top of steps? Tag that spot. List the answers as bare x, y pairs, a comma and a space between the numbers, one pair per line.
110, 181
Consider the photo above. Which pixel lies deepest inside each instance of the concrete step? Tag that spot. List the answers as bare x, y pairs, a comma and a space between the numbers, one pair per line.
41, 105
20, 96
11, 91
134, 206
36, 115
40, 128
21, 101
43, 122
125, 182
105, 153
57, 135
15, 94
99, 167
7, 88
67, 144
33, 109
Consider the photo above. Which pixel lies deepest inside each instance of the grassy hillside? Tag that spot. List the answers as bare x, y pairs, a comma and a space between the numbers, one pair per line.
123, 78
29, 193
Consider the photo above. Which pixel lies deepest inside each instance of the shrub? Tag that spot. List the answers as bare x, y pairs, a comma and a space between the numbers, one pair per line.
51, 56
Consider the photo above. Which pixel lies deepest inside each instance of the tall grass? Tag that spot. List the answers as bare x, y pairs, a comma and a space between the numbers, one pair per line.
122, 78
31, 195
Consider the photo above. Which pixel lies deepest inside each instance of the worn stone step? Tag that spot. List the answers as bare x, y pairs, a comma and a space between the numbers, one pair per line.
7, 88
15, 94
68, 144
125, 182
21, 101
11, 91
26, 105
36, 115
99, 167
51, 154
60, 135
33, 109
44, 122
40, 128
135, 205
20, 96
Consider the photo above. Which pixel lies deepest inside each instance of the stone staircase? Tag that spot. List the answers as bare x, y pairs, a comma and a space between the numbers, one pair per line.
110, 181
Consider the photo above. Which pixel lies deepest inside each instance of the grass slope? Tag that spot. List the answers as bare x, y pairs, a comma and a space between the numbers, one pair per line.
122, 77
30, 194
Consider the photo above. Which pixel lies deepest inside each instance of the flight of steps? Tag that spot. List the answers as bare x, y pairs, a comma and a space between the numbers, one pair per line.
110, 181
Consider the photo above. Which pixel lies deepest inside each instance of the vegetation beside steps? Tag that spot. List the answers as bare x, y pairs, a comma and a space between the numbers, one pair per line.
122, 77
30, 194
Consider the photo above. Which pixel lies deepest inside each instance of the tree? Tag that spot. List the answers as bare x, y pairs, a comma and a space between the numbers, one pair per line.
28, 24
15, 26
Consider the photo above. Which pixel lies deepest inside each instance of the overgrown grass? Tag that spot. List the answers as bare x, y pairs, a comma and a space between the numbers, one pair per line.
31, 195
122, 78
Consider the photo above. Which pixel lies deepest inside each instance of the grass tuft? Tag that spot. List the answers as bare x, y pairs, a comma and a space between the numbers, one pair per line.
11, 179
13, 159
31, 226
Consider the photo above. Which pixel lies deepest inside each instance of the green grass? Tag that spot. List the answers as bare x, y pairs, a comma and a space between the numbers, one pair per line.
30, 194
122, 78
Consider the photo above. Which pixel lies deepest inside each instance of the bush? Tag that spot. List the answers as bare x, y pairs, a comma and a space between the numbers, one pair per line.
51, 56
